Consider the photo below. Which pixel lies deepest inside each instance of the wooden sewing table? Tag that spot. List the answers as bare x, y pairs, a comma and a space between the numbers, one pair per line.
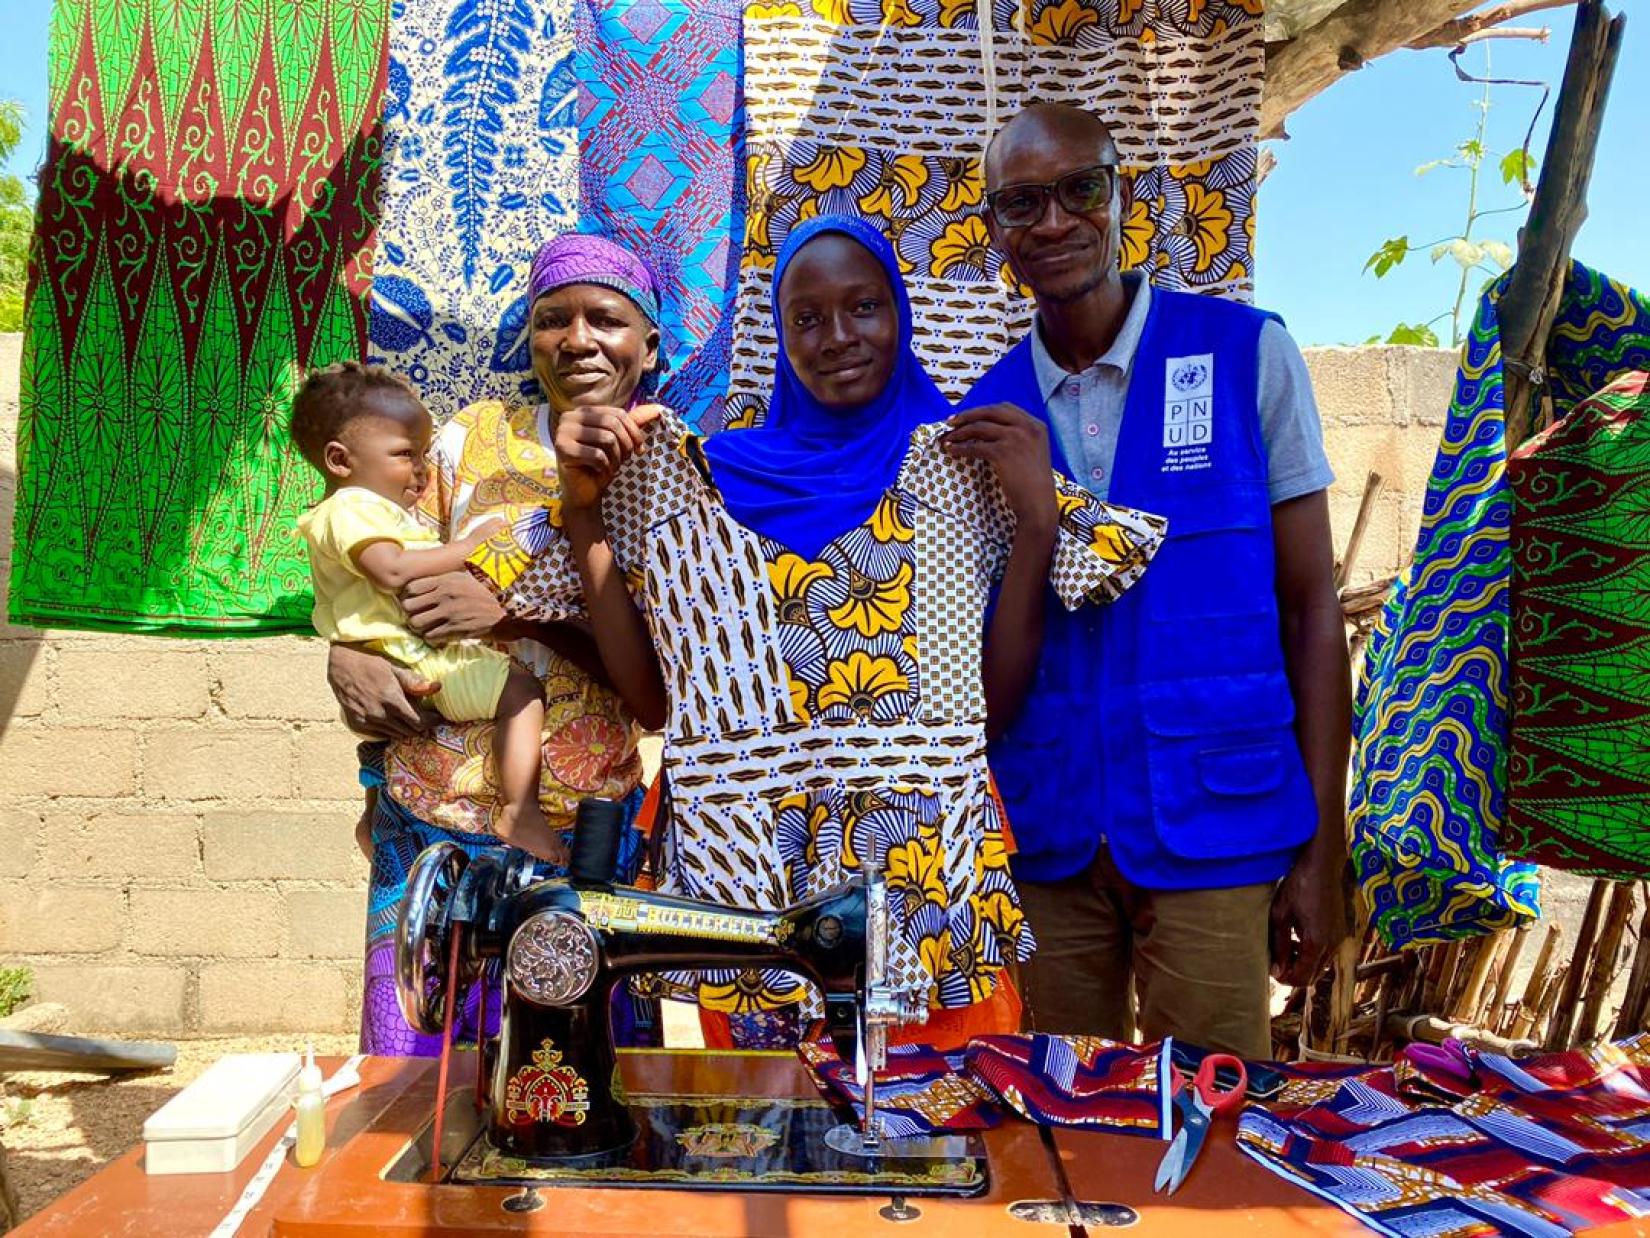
345, 1196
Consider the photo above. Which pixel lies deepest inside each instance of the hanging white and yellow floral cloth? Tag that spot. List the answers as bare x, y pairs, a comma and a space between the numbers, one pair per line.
820, 707
882, 108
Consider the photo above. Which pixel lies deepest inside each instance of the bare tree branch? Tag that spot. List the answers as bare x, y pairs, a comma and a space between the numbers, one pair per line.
1536, 34
1480, 25
1530, 302
1359, 31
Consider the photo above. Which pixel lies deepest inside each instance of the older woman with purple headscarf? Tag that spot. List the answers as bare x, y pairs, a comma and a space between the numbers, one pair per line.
593, 315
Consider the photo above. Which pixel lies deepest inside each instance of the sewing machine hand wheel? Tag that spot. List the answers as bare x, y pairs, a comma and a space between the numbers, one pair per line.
421, 936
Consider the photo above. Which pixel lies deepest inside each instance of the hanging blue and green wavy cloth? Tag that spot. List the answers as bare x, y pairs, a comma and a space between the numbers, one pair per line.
1430, 787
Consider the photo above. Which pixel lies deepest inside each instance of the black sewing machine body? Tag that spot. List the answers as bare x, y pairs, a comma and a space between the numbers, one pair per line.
562, 945
553, 1091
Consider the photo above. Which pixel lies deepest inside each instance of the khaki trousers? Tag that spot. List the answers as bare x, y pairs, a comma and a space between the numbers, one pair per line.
1198, 958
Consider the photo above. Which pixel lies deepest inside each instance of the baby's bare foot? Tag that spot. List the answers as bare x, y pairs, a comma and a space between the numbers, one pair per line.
525, 826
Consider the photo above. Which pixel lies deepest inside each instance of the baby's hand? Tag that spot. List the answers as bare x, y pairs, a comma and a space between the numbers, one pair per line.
485, 531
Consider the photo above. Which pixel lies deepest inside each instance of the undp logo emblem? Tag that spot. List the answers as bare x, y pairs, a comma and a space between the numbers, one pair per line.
1190, 376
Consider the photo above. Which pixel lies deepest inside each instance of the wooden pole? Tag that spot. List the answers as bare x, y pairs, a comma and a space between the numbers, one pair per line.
1632, 1003
1605, 959
1497, 1014
1471, 998
1530, 1002
1564, 1009
1355, 541
1439, 970
1544, 1017
29, 1051
1429, 1029
1531, 299
1341, 989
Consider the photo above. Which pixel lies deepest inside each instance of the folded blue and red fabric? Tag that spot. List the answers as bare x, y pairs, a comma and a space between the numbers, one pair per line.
1444, 1141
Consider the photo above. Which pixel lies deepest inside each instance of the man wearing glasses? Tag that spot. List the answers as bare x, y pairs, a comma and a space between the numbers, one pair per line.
1175, 775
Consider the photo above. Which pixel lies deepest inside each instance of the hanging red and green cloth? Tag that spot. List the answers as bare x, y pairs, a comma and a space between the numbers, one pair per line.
203, 235
1580, 760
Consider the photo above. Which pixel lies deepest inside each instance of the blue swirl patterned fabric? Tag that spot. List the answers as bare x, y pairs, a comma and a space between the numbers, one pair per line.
1430, 761
480, 166
1429, 772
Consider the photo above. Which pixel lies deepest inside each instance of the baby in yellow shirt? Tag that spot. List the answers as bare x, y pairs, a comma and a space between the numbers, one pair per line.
368, 434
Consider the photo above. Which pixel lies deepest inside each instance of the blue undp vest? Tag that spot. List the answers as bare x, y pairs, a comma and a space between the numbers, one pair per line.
1163, 722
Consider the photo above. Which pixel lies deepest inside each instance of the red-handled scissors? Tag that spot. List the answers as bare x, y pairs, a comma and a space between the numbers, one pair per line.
1198, 1103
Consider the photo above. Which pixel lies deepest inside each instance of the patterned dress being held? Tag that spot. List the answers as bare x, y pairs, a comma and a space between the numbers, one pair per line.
822, 707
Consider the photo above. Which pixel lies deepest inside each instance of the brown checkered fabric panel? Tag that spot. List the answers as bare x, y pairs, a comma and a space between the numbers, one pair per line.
949, 596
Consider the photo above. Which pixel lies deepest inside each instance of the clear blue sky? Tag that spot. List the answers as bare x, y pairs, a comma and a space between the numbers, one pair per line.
1344, 182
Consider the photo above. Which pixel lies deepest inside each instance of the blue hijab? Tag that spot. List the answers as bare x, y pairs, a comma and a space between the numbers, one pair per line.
810, 473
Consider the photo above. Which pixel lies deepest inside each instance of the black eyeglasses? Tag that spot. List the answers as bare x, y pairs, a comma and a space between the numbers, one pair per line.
1079, 192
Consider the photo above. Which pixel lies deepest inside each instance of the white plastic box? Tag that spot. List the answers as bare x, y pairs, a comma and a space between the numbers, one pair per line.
212, 1124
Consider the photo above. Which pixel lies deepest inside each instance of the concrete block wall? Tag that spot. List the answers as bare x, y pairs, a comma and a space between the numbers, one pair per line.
175, 822
175, 816
1383, 409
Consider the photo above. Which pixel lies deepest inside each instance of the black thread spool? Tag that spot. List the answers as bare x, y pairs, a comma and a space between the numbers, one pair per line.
597, 830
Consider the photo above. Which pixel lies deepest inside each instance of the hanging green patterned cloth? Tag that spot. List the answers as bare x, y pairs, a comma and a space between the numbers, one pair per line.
1580, 795
203, 235
1430, 771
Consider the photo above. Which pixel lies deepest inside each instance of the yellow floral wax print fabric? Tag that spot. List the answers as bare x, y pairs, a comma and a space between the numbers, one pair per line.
882, 108
824, 708
496, 459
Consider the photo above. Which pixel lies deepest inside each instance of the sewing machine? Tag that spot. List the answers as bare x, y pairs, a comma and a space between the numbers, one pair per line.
549, 1105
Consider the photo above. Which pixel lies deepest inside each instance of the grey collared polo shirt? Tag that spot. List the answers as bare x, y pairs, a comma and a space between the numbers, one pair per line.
1086, 409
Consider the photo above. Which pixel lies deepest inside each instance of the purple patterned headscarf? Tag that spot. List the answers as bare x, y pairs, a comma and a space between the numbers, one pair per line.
580, 258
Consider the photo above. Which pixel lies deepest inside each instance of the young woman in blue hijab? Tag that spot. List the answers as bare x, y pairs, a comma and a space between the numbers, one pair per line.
816, 590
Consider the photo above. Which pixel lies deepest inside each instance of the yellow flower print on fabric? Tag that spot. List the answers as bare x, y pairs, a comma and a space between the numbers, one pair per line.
953, 12
874, 606
837, 12
1207, 220
744, 419
1194, 171
886, 523
762, 204
898, 187
895, 226
899, 13
799, 697
916, 871
965, 184
1006, 275
817, 814
1113, 543
934, 952
1137, 235
1068, 503
769, 12
832, 167
965, 242
1063, 22
791, 575
860, 681
991, 855
745, 994
998, 910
